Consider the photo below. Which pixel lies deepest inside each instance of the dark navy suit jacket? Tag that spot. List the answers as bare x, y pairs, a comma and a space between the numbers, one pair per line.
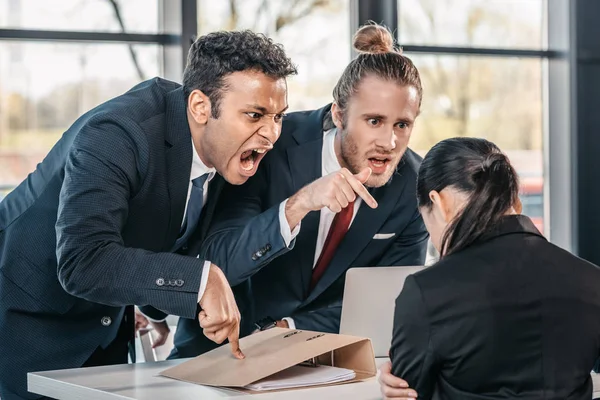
90, 230
511, 316
245, 238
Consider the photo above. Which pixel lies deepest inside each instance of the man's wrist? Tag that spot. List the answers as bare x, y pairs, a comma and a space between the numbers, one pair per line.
295, 209
204, 280
288, 233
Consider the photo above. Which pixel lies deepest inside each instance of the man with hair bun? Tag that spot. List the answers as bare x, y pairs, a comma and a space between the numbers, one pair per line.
337, 191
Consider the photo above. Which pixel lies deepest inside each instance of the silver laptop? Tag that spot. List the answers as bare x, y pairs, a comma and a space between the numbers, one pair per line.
369, 301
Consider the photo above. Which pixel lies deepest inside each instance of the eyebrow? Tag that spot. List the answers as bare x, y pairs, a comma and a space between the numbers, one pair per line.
406, 120
263, 110
373, 115
383, 117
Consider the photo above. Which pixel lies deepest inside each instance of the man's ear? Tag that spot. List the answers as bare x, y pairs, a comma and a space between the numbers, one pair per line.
337, 115
199, 106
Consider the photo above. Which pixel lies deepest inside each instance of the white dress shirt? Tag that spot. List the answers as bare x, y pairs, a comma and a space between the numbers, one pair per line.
330, 164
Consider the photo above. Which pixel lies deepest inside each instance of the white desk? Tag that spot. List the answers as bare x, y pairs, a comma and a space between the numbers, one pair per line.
141, 382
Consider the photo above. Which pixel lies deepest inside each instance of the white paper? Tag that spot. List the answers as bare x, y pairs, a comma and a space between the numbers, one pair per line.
300, 376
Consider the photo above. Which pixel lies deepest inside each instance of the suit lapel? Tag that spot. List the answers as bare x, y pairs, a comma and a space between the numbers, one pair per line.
178, 162
305, 163
365, 225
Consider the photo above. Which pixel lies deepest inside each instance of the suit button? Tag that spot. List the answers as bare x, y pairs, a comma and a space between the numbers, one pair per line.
184, 247
160, 281
106, 321
254, 256
267, 247
179, 282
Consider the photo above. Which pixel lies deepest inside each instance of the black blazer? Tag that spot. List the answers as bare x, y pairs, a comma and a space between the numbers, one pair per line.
510, 317
90, 230
245, 237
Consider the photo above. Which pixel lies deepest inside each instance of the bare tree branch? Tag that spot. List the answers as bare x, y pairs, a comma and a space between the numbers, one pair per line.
293, 15
233, 15
136, 64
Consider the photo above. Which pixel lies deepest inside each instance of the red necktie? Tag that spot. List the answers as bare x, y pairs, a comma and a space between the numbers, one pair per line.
338, 229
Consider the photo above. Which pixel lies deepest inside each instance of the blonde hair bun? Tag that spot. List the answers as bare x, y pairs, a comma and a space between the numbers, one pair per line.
374, 39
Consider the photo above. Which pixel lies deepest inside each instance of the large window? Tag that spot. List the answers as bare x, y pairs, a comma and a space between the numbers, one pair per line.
481, 63
499, 99
508, 24
315, 33
46, 85
140, 16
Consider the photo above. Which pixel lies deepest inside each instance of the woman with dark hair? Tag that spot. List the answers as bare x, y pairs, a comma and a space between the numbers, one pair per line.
504, 314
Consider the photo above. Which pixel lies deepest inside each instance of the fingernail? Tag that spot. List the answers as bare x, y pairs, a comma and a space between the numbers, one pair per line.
412, 393
404, 385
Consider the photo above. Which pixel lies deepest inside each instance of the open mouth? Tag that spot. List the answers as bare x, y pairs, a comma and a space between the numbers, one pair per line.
379, 164
250, 158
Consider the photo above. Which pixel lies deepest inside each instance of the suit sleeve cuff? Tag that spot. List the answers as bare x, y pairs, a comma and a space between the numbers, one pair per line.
290, 322
286, 232
204, 280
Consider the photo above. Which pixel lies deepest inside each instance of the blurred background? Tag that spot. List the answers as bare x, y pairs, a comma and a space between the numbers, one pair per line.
506, 70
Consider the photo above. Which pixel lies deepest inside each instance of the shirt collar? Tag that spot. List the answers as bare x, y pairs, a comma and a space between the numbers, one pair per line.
198, 167
330, 160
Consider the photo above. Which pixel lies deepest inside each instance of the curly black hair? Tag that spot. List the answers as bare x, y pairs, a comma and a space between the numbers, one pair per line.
214, 56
